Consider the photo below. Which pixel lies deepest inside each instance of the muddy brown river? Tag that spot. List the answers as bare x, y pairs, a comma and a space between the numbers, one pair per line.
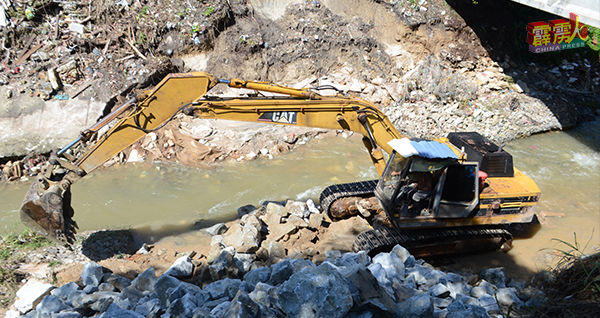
167, 199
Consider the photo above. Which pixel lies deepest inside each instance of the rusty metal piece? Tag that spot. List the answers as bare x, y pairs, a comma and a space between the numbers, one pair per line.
47, 210
495, 206
507, 246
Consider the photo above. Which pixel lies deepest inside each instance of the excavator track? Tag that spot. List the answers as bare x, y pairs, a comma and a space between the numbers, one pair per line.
338, 191
420, 242
435, 241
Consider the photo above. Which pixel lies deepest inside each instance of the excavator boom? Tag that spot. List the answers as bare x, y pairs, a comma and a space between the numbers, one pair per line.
46, 207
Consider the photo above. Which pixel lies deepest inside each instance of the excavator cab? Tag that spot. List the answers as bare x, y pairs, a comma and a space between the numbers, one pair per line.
457, 192
432, 183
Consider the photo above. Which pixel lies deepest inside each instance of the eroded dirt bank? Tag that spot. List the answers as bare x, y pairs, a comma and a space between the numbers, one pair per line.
430, 65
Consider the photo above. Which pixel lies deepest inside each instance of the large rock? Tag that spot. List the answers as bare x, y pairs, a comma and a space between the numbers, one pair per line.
401, 252
216, 229
145, 281
64, 291
508, 297
181, 268
439, 290
242, 306
418, 306
91, 275
224, 288
98, 301
224, 265
132, 294
31, 294
380, 274
162, 285
367, 294
298, 208
119, 282
315, 292
281, 272
255, 276
264, 294
244, 261
51, 305
277, 209
115, 311
245, 236
275, 250
182, 307
497, 276
277, 232
200, 296
219, 310
149, 309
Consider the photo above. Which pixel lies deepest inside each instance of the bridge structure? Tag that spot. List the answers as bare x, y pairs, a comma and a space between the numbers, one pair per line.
587, 10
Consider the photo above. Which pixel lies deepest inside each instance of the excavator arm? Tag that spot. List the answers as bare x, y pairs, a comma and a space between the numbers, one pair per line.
46, 207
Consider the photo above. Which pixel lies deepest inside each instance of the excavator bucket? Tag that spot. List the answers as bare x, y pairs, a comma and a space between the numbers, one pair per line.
47, 210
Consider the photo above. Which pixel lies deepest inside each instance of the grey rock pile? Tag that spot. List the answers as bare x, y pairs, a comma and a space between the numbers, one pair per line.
435, 100
391, 284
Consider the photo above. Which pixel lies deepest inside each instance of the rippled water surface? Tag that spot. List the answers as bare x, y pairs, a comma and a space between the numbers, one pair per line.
566, 166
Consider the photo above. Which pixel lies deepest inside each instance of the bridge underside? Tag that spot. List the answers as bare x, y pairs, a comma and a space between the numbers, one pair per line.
587, 10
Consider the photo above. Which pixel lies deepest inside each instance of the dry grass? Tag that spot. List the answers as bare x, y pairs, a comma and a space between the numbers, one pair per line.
575, 289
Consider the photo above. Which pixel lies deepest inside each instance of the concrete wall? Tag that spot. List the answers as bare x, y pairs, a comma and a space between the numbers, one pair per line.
31, 124
587, 10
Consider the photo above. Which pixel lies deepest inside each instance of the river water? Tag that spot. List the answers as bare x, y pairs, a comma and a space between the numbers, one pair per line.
163, 199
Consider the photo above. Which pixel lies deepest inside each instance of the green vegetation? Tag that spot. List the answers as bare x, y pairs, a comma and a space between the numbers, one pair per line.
195, 28
141, 38
54, 263
12, 247
575, 257
143, 12
247, 40
9, 284
24, 240
593, 40
209, 10
574, 290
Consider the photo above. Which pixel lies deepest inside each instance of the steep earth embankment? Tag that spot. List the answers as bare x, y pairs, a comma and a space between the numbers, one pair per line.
428, 64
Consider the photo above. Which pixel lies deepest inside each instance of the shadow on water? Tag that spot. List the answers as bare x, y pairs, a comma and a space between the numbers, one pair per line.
105, 244
523, 231
588, 134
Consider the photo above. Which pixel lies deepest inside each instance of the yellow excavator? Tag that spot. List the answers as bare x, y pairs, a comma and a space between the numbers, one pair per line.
454, 194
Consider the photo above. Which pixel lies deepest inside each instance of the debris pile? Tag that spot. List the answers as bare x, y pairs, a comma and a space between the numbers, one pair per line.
58, 49
26, 167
